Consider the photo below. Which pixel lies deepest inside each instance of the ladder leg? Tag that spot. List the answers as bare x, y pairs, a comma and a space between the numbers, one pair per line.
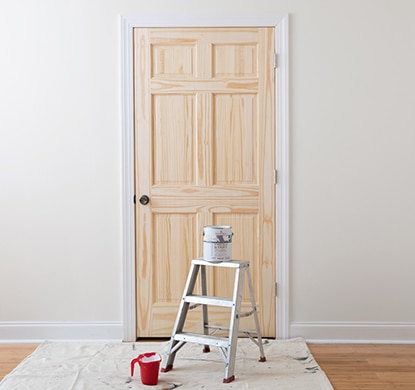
234, 326
167, 364
205, 319
254, 308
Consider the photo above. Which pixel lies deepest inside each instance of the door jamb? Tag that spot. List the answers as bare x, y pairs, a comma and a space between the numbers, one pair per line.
280, 24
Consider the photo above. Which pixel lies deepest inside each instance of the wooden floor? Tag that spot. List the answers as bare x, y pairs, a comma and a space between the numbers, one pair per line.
349, 367
12, 354
367, 367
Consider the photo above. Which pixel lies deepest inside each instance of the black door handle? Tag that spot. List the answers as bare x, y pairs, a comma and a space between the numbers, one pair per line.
144, 200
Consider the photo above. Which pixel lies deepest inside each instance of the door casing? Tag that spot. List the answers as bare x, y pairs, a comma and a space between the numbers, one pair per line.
280, 24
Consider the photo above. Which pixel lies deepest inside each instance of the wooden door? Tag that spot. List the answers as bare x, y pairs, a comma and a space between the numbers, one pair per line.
205, 152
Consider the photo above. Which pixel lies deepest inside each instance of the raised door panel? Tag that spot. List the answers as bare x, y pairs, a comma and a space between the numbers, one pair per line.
235, 159
173, 135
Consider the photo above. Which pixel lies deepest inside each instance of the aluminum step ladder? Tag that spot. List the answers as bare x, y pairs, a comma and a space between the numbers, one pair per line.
227, 345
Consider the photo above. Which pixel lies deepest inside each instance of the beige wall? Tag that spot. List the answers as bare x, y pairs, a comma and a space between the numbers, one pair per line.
352, 129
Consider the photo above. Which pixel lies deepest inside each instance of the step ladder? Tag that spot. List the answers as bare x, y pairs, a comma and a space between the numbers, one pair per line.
227, 345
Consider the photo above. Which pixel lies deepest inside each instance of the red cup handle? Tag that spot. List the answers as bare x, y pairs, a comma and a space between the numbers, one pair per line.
133, 362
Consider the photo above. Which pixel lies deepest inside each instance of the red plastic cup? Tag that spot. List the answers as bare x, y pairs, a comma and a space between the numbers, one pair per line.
149, 363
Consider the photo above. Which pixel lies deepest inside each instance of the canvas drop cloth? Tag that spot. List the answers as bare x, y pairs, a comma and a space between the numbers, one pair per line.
96, 366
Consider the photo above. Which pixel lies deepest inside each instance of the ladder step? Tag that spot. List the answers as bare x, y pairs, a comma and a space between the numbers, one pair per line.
207, 300
202, 339
225, 264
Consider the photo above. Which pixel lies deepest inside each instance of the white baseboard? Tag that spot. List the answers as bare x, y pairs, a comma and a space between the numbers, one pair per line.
36, 332
355, 332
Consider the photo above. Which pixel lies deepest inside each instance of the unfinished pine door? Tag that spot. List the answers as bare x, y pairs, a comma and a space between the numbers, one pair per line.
204, 155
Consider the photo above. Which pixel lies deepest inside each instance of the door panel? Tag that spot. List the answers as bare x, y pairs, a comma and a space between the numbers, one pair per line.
235, 150
204, 154
173, 136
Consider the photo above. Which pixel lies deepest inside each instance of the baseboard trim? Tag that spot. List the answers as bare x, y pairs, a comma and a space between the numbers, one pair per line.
355, 332
35, 332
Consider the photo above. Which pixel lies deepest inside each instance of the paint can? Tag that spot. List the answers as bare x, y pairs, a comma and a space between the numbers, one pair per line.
217, 243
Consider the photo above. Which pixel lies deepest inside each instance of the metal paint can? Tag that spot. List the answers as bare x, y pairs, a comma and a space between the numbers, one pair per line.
217, 243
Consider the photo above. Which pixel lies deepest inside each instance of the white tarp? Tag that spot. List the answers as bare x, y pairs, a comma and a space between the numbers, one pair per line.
95, 366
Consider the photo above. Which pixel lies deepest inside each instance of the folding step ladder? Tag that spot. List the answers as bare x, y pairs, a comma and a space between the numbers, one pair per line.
227, 345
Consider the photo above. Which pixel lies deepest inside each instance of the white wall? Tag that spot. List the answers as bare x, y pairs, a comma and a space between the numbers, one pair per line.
352, 163
352, 138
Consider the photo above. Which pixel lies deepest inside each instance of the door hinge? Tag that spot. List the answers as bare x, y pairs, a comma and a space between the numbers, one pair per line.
275, 60
134, 199
275, 176
276, 289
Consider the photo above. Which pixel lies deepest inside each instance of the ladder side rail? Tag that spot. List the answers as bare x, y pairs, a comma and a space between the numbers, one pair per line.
167, 365
258, 329
184, 306
234, 325
205, 320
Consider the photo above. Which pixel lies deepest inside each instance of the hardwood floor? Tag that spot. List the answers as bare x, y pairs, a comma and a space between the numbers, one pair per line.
348, 366
12, 354
368, 366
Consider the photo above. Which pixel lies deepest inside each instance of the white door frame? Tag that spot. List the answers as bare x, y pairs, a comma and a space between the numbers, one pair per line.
280, 23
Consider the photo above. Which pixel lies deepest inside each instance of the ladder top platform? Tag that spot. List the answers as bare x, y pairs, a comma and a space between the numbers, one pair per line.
227, 264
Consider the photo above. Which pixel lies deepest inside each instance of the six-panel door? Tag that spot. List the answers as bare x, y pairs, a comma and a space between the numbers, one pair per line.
204, 145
